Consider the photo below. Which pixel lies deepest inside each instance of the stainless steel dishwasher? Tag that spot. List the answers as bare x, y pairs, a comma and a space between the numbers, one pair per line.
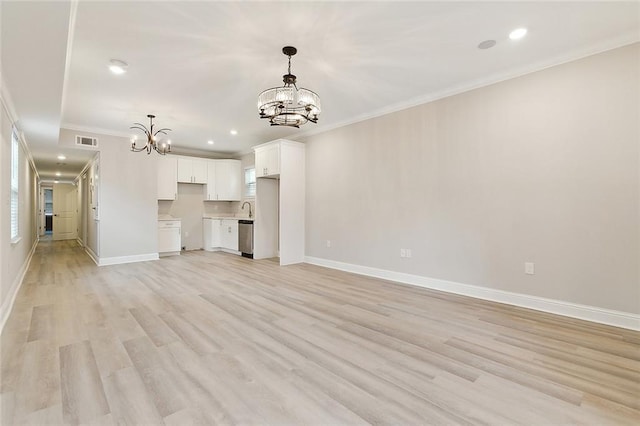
245, 238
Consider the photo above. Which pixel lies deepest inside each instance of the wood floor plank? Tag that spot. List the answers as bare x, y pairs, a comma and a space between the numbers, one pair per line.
83, 398
155, 377
128, 399
214, 338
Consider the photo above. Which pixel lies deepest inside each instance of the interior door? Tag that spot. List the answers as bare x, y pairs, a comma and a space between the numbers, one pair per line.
64, 211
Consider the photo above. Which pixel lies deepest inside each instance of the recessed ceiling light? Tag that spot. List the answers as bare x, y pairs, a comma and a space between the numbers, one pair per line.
487, 44
117, 66
56, 181
233, 132
210, 142
518, 33
58, 174
61, 157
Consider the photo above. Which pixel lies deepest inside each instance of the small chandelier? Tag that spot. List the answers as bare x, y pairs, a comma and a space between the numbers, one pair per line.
152, 141
288, 105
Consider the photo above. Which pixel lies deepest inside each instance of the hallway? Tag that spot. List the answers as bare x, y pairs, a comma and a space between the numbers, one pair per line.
212, 338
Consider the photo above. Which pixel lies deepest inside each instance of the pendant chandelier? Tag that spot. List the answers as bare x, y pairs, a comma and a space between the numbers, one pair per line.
288, 105
152, 140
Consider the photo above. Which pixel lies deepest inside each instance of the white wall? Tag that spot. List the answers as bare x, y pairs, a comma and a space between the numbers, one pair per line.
127, 198
14, 257
542, 168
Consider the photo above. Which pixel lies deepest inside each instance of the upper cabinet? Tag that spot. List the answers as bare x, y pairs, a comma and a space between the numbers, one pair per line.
192, 170
223, 180
167, 178
267, 160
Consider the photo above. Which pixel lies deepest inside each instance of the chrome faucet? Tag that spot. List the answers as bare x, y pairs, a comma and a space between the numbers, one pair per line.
246, 202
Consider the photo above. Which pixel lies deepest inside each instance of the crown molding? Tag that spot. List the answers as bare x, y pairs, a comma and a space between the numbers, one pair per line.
73, 12
7, 105
96, 130
625, 40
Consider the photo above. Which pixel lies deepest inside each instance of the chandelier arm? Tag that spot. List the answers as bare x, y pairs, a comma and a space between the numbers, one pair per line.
161, 131
139, 126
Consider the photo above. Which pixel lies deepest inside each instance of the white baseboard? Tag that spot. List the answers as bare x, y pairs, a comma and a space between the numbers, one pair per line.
117, 260
7, 305
589, 313
92, 255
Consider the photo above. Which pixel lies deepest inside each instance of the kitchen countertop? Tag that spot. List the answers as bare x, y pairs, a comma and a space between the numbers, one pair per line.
209, 216
167, 217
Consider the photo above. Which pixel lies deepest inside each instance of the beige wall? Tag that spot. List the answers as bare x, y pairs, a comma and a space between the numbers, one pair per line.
543, 168
13, 257
127, 197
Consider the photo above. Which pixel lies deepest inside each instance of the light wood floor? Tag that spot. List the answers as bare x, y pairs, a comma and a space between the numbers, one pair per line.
212, 338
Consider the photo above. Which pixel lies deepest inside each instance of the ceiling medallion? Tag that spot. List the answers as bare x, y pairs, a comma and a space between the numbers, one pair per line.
288, 105
152, 140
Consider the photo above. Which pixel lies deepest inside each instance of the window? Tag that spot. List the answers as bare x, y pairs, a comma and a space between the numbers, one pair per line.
250, 182
15, 178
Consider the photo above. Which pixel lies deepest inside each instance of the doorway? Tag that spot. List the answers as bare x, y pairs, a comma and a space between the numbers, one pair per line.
48, 211
64, 212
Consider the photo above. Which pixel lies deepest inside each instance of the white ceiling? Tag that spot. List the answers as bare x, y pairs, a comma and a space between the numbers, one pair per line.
199, 66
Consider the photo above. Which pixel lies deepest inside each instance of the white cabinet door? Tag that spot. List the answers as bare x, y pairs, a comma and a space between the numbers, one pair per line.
216, 235
210, 187
212, 234
185, 172
167, 178
228, 178
168, 240
268, 161
192, 170
199, 170
229, 230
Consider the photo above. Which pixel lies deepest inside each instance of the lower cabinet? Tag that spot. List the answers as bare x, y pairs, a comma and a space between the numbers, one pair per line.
220, 234
229, 237
169, 238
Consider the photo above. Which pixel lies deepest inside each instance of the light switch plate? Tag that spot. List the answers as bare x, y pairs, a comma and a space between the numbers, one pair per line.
529, 268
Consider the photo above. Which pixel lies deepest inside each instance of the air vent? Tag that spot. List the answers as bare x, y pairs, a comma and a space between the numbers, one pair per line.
86, 141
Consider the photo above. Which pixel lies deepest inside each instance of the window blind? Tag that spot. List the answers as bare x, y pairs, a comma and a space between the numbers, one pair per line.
250, 182
15, 180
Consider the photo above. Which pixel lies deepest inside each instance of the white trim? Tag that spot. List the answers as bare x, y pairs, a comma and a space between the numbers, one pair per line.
575, 55
589, 313
117, 260
7, 104
7, 305
97, 130
73, 12
92, 255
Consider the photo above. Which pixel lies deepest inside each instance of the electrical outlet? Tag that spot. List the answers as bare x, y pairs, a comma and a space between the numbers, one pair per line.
403, 253
328, 243
408, 252
529, 268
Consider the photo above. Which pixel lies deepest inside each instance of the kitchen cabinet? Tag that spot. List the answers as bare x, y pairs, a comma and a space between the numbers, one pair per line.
223, 180
267, 160
212, 234
192, 170
169, 239
167, 178
220, 234
229, 234
279, 229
